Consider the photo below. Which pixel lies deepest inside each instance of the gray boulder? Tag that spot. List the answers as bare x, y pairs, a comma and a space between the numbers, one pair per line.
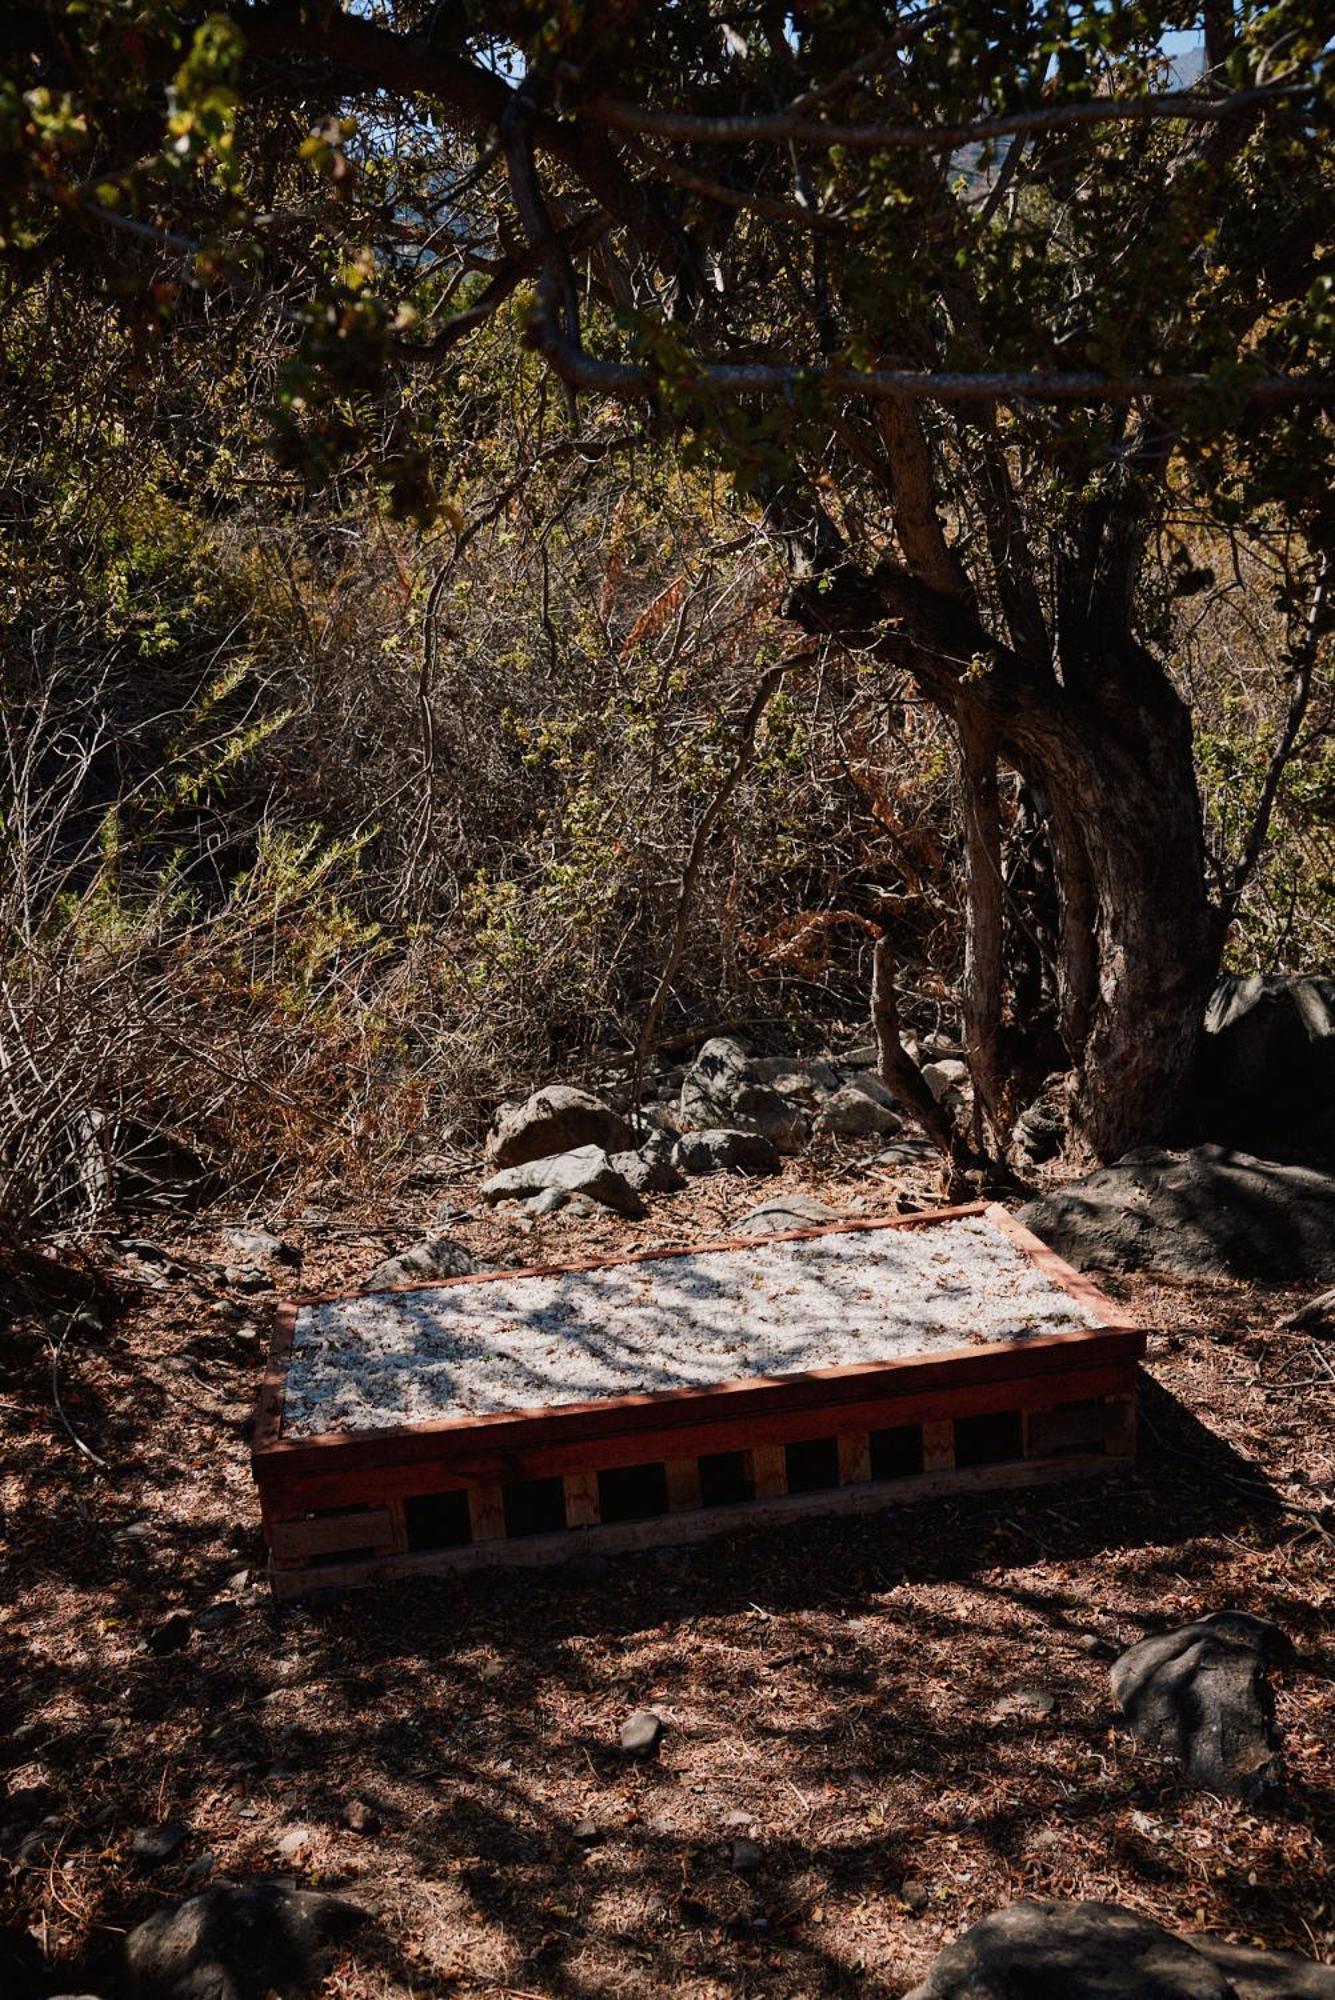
1203, 1213
1267, 1975
804, 1079
1071, 1951
650, 1171
1265, 1074
786, 1212
723, 1151
586, 1171
438, 1257
721, 1091
947, 1078
557, 1119
261, 1246
1201, 1694
236, 1942
860, 1109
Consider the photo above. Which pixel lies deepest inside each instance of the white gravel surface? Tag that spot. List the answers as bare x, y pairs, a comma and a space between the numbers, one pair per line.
672, 1322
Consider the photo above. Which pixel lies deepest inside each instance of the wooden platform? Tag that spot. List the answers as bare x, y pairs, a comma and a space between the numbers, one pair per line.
535, 1486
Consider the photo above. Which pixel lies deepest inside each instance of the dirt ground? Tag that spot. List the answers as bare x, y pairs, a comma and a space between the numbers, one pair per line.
831, 1691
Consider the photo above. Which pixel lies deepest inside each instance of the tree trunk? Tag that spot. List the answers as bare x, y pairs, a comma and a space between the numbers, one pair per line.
1130, 796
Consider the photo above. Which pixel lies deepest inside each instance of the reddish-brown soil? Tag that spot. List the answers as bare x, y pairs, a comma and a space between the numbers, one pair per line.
829, 1690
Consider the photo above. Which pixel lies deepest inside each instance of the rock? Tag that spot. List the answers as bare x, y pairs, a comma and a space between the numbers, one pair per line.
908, 1153
152, 1845
236, 1942
171, 1635
947, 1078
722, 1092
293, 1843
1070, 1951
746, 1856
558, 1119
642, 1734
1203, 1213
1267, 1975
201, 1868
247, 1278
916, 1895
437, 1257
1026, 1702
858, 1110
213, 1617
587, 1832
802, 1081
587, 1171
786, 1212
359, 1817
1265, 1072
549, 1202
1039, 1133
648, 1172
261, 1246
1200, 1693
722, 1151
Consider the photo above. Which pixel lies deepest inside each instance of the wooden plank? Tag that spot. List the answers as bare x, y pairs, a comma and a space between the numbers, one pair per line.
298, 1541
683, 1483
291, 1490
486, 1513
672, 1529
1075, 1427
938, 1444
495, 1447
583, 1508
769, 1471
854, 1458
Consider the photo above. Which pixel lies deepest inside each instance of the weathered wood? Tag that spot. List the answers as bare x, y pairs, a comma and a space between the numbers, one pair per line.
938, 1444
668, 1530
486, 1513
1076, 1427
583, 1509
683, 1483
298, 1541
769, 1471
854, 1458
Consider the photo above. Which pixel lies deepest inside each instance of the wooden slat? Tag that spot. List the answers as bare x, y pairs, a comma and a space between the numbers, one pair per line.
938, 1444
769, 1471
854, 1458
583, 1509
297, 1541
1076, 1428
486, 1513
288, 1489
683, 1483
534, 1550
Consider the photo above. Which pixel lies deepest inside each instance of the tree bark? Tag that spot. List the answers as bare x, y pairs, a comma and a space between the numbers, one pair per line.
983, 966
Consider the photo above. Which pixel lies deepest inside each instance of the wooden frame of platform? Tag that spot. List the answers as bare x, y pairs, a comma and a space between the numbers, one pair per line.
535, 1486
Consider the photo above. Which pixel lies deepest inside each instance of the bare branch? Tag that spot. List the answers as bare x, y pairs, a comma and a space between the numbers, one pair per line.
785, 125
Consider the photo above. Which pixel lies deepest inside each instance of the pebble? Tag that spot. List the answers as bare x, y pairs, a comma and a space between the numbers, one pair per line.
587, 1832
746, 1856
642, 1733
358, 1817
171, 1635
262, 1243
155, 1844
1034, 1701
293, 1843
245, 1278
916, 1894
201, 1868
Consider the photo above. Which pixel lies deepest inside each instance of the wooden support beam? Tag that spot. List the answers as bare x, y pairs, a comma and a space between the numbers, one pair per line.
683, 1484
938, 1444
486, 1513
854, 1459
583, 1507
769, 1471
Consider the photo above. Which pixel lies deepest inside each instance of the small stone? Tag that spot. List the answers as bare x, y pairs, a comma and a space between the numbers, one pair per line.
916, 1895
746, 1856
201, 1868
1031, 1701
152, 1845
641, 1734
214, 1617
549, 1202
262, 1246
293, 1843
171, 1635
247, 1278
437, 1257
587, 1832
238, 1580
1095, 1645
359, 1817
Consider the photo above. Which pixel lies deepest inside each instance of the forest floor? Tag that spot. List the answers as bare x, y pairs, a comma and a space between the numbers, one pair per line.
835, 1692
